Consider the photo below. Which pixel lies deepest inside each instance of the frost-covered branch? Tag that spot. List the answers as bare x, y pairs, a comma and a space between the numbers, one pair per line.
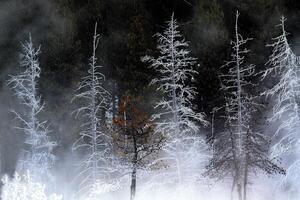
38, 156
98, 164
284, 65
238, 151
175, 117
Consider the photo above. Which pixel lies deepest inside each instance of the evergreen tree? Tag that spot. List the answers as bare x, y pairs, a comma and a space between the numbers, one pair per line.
175, 117
239, 150
38, 158
284, 65
98, 164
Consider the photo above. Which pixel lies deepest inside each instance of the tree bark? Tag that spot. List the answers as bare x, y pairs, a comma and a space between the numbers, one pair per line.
248, 140
133, 183
134, 170
113, 100
237, 174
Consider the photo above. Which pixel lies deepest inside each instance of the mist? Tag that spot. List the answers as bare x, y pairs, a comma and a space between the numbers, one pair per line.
137, 140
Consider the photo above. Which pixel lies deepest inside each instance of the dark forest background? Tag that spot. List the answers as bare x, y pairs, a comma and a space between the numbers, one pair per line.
64, 29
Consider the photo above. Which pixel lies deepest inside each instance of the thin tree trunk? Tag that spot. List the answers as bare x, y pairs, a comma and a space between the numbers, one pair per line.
133, 183
239, 121
246, 164
236, 178
174, 102
94, 110
134, 170
245, 182
114, 100
232, 188
239, 190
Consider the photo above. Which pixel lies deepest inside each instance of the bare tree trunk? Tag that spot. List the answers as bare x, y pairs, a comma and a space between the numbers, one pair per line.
246, 164
103, 117
236, 178
133, 183
239, 190
245, 182
113, 99
134, 169
232, 188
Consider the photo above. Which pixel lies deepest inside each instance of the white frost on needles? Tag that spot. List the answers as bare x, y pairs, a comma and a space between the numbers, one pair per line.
99, 163
285, 65
175, 118
24, 188
38, 156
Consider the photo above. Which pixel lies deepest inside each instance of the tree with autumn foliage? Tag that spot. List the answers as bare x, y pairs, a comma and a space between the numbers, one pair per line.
135, 140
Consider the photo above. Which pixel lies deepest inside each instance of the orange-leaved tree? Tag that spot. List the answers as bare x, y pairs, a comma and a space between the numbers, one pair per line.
134, 137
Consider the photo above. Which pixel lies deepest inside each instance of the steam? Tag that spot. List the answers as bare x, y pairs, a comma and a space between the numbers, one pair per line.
40, 19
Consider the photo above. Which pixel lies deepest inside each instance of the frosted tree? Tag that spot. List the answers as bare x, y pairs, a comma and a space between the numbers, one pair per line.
38, 154
239, 151
235, 81
284, 65
95, 140
175, 117
24, 188
238, 102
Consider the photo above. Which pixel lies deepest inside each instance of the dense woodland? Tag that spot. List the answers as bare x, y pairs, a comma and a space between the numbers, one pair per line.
126, 98
64, 28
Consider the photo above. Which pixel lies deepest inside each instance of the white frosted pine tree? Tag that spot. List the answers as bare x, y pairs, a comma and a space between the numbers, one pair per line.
239, 151
38, 157
285, 65
98, 165
184, 150
238, 102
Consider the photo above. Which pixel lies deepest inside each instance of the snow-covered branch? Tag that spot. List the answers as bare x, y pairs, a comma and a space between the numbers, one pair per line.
175, 117
38, 156
284, 65
238, 151
95, 139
